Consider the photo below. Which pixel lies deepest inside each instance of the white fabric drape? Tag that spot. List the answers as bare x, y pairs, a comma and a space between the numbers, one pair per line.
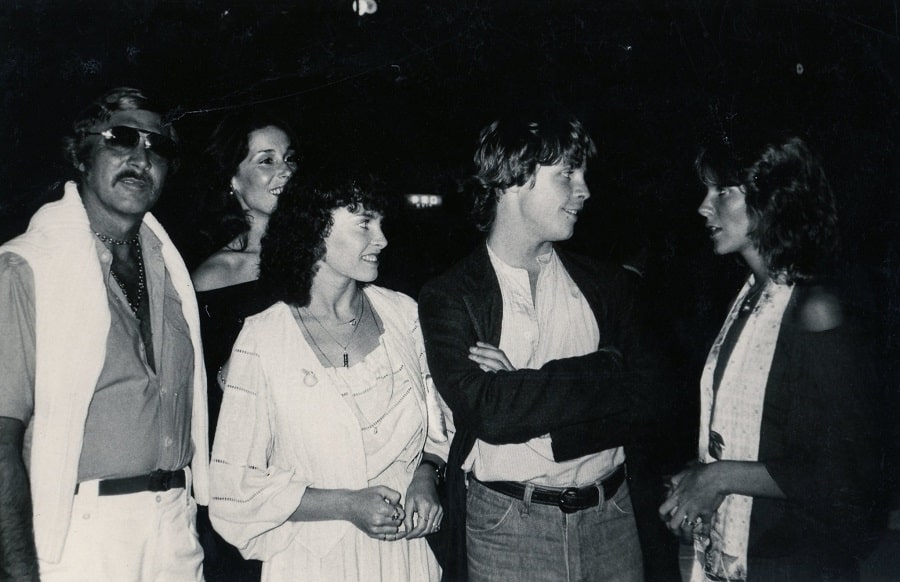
732, 415
71, 326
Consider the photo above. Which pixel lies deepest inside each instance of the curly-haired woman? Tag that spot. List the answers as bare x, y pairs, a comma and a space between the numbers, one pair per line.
330, 432
787, 477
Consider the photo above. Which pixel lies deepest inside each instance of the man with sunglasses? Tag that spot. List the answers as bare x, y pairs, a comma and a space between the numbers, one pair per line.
102, 398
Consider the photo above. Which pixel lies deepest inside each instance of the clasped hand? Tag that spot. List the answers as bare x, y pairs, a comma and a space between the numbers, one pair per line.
692, 499
378, 513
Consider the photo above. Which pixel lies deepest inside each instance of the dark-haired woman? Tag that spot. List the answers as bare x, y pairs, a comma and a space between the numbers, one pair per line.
330, 432
787, 476
248, 161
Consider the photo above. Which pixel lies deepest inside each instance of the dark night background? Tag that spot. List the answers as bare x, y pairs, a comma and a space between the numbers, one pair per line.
404, 92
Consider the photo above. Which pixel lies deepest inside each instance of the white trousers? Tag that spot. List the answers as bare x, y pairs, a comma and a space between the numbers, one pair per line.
139, 537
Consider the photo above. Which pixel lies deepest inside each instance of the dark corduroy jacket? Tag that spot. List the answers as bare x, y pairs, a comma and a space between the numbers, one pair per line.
611, 397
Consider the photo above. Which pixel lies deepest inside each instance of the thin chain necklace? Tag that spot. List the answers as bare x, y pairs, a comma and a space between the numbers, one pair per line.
355, 322
134, 243
309, 333
350, 396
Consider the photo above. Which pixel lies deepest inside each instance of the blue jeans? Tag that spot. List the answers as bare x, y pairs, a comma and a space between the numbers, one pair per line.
509, 539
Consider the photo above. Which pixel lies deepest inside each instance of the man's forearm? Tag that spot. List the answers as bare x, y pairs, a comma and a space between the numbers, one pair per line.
512, 407
18, 557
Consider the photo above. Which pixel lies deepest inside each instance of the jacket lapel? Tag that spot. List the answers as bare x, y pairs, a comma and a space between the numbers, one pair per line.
484, 303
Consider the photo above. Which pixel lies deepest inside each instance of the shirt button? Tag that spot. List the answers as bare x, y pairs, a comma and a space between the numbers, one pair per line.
158, 498
168, 441
86, 516
163, 391
105, 256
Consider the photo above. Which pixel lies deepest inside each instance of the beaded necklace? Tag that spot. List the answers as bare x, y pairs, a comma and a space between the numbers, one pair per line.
118, 241
134, 243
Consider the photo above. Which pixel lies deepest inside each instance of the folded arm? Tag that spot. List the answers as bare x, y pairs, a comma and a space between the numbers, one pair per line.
513, 406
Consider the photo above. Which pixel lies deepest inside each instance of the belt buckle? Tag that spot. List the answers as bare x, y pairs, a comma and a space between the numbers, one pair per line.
567, 500
160, 480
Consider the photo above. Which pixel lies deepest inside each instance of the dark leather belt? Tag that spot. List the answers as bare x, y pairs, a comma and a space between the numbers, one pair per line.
568, 500
156, 481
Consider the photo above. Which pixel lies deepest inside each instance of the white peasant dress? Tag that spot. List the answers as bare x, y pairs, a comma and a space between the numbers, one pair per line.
288, 423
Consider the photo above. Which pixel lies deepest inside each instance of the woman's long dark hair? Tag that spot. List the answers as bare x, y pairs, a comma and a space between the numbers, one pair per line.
228, 146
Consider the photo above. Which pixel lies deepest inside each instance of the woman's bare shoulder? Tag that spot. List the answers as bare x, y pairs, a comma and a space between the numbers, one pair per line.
819, 309
224, 268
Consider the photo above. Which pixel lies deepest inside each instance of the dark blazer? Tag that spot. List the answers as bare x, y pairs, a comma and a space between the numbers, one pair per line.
608, 398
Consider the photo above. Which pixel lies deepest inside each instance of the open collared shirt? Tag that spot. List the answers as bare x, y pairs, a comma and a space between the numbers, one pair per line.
556, 323
133, 405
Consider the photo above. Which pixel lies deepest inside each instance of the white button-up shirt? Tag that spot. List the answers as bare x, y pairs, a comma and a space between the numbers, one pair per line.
556, 323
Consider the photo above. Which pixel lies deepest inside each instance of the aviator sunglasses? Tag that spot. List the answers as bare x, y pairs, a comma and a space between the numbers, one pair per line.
124, 139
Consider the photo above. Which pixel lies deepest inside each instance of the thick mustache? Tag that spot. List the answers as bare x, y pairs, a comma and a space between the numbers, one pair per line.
135, 175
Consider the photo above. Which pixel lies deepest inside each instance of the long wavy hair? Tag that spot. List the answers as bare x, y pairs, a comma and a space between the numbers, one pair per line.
790, 204
295, 238
510, 149
228, 145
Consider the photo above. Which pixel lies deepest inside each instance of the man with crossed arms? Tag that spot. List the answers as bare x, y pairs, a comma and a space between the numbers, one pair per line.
536, 351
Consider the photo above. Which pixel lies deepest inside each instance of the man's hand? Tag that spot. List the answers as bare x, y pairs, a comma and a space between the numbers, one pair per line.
490, 358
